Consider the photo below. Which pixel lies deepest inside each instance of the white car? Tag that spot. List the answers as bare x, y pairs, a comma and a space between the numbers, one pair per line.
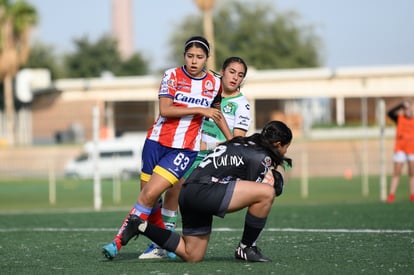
120, 157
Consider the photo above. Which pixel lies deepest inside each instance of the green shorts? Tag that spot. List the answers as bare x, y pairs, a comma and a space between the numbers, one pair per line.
197, 161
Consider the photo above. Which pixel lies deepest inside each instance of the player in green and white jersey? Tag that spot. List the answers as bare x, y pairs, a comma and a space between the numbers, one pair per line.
234, 106
236, 110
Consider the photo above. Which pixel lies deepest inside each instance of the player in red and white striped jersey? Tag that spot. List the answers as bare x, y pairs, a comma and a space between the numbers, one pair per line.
180, 89
187, 94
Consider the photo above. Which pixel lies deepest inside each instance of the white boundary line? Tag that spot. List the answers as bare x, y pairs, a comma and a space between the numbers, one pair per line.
222, 229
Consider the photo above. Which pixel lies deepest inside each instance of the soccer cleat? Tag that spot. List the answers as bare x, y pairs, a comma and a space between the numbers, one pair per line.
110, 250
131, 229
250, 254
153, 252
391, 198
171, 255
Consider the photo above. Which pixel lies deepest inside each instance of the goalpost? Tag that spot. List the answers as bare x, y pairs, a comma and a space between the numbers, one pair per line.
97, 193
383, 172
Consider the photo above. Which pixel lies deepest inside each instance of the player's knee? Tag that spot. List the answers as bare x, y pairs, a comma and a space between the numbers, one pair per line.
148, 196
191, 258
265, 200
268, 194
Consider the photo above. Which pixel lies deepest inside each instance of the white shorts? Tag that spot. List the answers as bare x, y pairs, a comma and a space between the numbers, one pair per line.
401, 156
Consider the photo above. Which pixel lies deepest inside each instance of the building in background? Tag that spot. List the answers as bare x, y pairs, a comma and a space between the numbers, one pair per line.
300, 97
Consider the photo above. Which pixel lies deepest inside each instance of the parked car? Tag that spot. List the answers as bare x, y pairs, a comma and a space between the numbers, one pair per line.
119, 157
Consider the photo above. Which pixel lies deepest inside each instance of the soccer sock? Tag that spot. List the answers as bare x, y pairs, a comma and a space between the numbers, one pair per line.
156, 217
170, 218
255, 242
253, 226
163, 237
142, 211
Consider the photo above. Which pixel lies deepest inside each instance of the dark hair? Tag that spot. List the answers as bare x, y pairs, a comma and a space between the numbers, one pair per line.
232, 59
199, 42
273, 131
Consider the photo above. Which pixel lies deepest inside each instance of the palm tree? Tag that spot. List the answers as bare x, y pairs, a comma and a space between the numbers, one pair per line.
16, 21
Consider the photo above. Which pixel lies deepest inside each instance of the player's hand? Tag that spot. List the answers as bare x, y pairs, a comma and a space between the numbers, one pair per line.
275, 179
268, 178
213, 113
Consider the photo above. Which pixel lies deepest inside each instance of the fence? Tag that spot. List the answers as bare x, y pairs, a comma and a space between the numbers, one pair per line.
317, 157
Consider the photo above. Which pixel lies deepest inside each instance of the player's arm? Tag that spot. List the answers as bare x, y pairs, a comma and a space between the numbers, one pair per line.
221, 122
242, 120
223, 126
265, 173
168, 109
239, 132
393, 113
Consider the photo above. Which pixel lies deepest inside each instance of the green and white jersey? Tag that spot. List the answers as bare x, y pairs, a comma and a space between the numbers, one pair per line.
236, 111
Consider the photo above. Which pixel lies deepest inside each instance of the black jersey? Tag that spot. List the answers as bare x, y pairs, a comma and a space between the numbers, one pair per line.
232, 161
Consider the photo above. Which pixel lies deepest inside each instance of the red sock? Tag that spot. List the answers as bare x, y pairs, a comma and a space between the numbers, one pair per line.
156, 218
412, 197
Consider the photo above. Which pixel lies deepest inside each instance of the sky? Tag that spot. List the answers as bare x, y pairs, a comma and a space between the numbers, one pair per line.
354, 33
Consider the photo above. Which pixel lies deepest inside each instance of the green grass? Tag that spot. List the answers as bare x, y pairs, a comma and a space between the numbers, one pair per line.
335, 230
33, 194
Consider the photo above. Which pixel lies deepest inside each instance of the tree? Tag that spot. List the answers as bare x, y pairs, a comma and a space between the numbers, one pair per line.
43, 56
16, 22
254, 31
135, 65
92, 59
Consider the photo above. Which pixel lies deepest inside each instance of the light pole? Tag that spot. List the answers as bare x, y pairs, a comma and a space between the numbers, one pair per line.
206, 6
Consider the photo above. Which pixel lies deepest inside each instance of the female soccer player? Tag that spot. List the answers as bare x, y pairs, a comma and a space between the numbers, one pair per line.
187, 94
236, 110
237, 174
403, 116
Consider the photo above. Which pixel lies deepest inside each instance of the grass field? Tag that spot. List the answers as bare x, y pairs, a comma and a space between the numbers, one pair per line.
335, 230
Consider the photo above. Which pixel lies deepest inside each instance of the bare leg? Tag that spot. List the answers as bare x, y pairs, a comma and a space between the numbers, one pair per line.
258, 197
152, 190
171, 196
193, 248
396, 176
162, 185
411, 178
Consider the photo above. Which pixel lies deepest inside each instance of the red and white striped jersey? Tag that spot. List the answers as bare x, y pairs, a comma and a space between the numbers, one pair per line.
186, 91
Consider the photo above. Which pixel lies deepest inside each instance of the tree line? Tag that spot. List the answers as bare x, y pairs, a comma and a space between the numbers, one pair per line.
254, 30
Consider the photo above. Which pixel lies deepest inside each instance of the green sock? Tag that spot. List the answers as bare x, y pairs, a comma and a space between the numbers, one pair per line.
170, 218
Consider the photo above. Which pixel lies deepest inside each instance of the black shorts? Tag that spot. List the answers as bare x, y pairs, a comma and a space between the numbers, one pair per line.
200, 202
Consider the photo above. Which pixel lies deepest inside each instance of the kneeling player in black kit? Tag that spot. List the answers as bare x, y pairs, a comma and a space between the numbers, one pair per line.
239, 173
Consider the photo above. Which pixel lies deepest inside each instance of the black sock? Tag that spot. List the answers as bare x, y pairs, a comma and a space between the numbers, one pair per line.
163, 237
252, 228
